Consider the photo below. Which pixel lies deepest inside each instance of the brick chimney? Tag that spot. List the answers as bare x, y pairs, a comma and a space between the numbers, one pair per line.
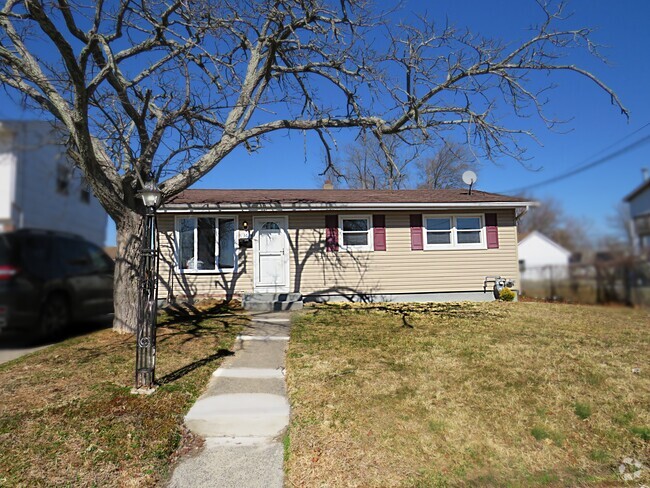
328, 185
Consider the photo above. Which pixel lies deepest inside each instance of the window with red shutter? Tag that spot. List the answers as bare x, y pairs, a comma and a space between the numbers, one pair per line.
416, 232
331, 233
379, 232
491, 231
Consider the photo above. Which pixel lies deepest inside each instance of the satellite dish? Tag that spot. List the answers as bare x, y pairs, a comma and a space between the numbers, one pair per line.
469, 178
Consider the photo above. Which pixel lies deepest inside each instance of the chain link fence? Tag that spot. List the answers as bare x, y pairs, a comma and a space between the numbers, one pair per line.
625, 281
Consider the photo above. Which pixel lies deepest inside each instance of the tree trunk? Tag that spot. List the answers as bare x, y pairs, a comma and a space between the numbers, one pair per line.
127, 263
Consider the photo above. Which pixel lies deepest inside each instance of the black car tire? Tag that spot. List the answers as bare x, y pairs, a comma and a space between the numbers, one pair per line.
55, 316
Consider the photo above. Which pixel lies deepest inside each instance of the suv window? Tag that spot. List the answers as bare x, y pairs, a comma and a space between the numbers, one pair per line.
100, 262
36, 255
6, 250
73, 256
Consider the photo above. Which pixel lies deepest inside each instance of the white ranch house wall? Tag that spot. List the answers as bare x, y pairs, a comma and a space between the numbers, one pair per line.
32, 158
542, 259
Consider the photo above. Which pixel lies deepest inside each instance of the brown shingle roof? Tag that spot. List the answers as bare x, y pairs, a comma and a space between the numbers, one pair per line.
338, 196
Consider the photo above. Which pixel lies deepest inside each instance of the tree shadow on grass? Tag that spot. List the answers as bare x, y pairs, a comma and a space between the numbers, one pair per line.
179, 373
187, 320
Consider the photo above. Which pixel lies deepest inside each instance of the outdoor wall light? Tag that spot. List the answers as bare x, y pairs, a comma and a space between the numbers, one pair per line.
244, 225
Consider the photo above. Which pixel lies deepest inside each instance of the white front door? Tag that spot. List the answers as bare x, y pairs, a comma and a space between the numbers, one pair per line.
271, 252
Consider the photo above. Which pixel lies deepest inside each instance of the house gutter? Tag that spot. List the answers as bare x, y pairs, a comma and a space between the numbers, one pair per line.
305, 207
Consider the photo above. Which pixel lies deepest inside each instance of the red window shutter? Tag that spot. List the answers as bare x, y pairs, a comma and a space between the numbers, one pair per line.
416, 232
331, 233
379, 232
492, 231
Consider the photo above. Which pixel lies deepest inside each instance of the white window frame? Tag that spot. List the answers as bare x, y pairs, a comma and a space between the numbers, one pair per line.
217, 270
430, 247
368, 247
454, 232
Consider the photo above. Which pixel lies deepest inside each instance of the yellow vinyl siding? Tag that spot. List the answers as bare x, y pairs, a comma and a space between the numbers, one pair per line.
313, 270
398, 269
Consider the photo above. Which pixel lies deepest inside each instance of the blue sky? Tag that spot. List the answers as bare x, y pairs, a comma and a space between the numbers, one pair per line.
293, 161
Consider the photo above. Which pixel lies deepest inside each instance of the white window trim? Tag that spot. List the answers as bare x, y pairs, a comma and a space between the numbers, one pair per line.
217, 270
368, 247
454, 233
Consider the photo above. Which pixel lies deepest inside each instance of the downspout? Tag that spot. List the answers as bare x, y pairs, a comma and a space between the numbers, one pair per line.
524, 211
520, 288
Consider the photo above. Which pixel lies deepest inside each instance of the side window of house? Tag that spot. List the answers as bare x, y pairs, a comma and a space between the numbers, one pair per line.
355, 233
226, 243
468, 230
454, 232
206, 243
63, 174
438, 230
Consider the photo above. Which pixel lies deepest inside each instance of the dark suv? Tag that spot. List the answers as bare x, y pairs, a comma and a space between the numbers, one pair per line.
50, 279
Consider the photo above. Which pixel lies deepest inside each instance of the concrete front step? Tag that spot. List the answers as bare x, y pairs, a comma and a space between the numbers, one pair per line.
272, 302
273, 306
272, 297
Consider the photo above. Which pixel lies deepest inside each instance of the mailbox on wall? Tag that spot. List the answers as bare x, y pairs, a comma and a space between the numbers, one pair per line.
245, 240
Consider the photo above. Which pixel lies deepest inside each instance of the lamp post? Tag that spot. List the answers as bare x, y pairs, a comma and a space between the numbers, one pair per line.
145, 355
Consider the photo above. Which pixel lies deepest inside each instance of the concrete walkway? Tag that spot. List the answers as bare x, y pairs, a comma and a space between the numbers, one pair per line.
243, 414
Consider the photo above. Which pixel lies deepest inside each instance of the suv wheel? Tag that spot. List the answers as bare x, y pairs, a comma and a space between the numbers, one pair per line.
55, 316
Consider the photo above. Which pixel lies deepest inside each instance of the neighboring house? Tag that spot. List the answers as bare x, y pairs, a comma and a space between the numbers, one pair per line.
639, 201
375, 245
39, 187
541, 258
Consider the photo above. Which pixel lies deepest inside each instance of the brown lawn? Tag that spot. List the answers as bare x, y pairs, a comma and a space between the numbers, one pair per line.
496, 394
67, 417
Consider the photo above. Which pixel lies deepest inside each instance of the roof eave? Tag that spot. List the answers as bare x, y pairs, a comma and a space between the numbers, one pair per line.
639, 189
303, 206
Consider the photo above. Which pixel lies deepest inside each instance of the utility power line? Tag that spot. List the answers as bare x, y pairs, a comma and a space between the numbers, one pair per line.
611, 146
625, 149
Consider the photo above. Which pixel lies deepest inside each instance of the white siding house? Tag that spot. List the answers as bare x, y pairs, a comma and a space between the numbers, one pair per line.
639, 201
39, 186
541, 258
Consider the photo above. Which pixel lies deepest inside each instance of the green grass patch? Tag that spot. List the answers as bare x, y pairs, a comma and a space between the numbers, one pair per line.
642, 432
624, 418
465, 394
582, 410
542, 433
286, 444
68, 418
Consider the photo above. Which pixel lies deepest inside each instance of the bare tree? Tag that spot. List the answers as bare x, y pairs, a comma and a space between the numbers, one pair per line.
169, 88
366, 164
445, 169
622, 225
550, 219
